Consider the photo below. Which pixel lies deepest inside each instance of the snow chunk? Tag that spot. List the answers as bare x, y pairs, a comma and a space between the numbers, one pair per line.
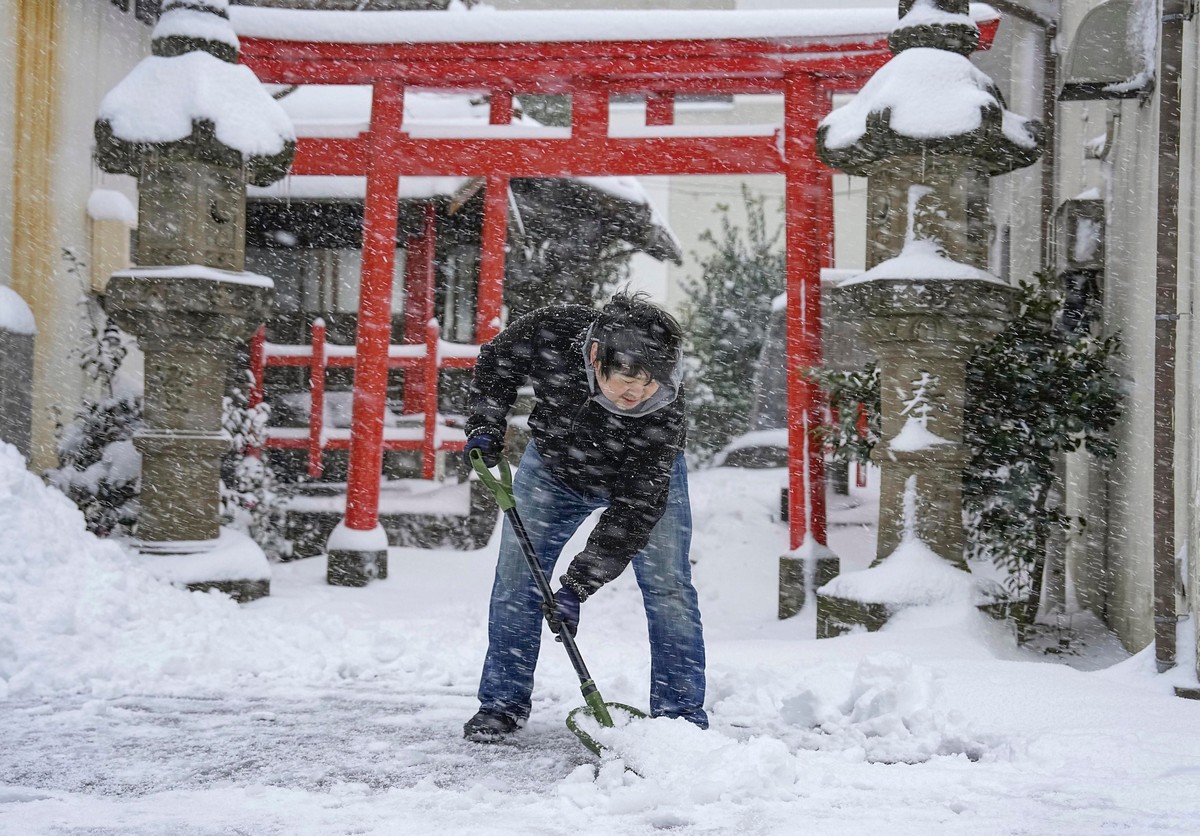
930, 94
111, 205
161, 98
921, 259
912, 575
15, 315
719, 767
915, 436
232, 557
894, 712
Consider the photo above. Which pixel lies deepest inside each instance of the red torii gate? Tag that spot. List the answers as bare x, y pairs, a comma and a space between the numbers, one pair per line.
806, 56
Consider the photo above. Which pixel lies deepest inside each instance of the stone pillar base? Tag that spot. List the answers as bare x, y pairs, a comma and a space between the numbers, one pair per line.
800, 574
838, 616
356, 557
243, 592
232, 564
355, 568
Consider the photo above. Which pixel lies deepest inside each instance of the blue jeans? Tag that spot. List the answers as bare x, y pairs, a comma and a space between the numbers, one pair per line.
552, 512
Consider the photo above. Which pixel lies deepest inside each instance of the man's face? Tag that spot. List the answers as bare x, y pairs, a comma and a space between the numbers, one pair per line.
626, 391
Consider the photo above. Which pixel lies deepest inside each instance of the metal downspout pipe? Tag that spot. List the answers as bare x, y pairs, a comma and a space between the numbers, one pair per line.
1166, 318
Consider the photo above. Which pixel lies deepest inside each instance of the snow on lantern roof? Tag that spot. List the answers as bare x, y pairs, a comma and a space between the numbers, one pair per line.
530, 26
927, 100
192, 95
162, 99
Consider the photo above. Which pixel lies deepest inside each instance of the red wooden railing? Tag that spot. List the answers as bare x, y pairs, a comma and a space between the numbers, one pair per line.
426, 359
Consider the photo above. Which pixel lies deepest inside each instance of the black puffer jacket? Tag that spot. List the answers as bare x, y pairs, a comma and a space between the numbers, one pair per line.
595, 451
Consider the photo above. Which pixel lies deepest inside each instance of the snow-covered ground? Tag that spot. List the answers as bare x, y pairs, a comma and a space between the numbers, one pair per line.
130, 707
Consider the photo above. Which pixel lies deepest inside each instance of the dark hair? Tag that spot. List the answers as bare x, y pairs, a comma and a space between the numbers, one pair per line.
634, 336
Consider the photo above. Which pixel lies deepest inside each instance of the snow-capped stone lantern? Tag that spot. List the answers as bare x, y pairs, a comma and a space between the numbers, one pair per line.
928, 130
194, 127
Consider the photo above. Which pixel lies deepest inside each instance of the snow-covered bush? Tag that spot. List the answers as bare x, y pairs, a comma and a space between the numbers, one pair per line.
99, 469
251, 498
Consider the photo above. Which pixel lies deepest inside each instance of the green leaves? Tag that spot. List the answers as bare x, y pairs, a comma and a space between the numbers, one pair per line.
1034, 393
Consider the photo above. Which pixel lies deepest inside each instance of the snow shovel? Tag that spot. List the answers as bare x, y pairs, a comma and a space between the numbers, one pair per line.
596, 708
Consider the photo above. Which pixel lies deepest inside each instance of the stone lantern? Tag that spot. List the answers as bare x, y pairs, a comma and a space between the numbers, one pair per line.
928, 130
194, 127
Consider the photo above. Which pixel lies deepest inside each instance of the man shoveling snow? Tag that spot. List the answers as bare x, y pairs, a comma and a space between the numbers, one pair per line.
607, 432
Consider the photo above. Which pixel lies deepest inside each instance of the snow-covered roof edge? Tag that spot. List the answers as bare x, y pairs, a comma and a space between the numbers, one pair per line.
554, 25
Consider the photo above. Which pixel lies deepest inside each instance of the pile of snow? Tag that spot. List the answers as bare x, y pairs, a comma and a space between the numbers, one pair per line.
894, 713
913, 575
921, 259
83, 615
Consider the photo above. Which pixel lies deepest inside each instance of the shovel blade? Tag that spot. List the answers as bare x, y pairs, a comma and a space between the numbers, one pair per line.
585, 717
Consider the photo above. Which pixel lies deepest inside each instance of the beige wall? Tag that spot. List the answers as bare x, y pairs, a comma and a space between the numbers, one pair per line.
59, 57
8, 70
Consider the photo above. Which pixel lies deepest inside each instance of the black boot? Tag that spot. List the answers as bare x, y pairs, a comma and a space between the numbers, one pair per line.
489, 727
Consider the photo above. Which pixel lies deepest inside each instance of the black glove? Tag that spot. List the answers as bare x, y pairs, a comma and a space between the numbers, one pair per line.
489, 444
566, 611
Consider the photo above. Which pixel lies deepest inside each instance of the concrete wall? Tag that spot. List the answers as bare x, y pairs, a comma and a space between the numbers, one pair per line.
1187, 488
1113, 567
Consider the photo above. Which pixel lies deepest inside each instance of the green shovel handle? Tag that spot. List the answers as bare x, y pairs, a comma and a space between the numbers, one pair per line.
501, 488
